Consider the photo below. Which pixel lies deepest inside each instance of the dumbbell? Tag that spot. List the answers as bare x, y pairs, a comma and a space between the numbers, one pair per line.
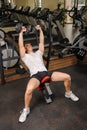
42, 24
19, 27
29, 28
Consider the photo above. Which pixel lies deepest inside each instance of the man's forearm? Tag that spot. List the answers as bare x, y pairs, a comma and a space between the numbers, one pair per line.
41, 37
20, 41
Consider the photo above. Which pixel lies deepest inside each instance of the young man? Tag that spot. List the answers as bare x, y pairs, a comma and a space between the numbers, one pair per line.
34, 61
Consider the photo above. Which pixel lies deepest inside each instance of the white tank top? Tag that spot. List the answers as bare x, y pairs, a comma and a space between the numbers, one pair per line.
34, 62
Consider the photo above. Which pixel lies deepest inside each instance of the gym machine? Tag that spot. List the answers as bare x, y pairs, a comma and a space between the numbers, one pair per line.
78, 16
79, 46
58, 35
9, 19
22, 15
9, 56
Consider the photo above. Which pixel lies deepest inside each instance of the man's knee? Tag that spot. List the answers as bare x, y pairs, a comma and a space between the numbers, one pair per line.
29, 91
68, 77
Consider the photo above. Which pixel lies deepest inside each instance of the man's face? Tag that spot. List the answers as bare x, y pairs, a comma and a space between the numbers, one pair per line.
28, 48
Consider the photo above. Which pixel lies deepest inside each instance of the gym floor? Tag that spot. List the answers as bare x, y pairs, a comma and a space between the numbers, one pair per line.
61, 114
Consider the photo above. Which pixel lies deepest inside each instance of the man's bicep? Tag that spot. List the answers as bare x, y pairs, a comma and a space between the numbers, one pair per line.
41, 47
22, 52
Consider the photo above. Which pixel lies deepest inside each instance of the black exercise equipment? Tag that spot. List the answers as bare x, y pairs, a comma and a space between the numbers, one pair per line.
59, 41
9, 20
27, 20
9, 56
31, 17
34, 12
2, 35
79, 47
50, 39
2, 9
45, 89
9, 52
43, 13
75, 9
22, 15
78, 16
60, 14
84, 13
26, 10
1, 68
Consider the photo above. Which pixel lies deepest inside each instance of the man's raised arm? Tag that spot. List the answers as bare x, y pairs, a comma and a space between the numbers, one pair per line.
41, 38
20, 43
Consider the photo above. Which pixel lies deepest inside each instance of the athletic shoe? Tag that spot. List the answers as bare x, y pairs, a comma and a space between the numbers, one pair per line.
24, 113
72, 96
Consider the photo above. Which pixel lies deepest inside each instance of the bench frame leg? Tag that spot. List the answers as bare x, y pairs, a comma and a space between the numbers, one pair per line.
47, 93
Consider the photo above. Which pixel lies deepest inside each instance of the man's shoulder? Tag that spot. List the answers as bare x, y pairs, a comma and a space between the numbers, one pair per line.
39, 52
